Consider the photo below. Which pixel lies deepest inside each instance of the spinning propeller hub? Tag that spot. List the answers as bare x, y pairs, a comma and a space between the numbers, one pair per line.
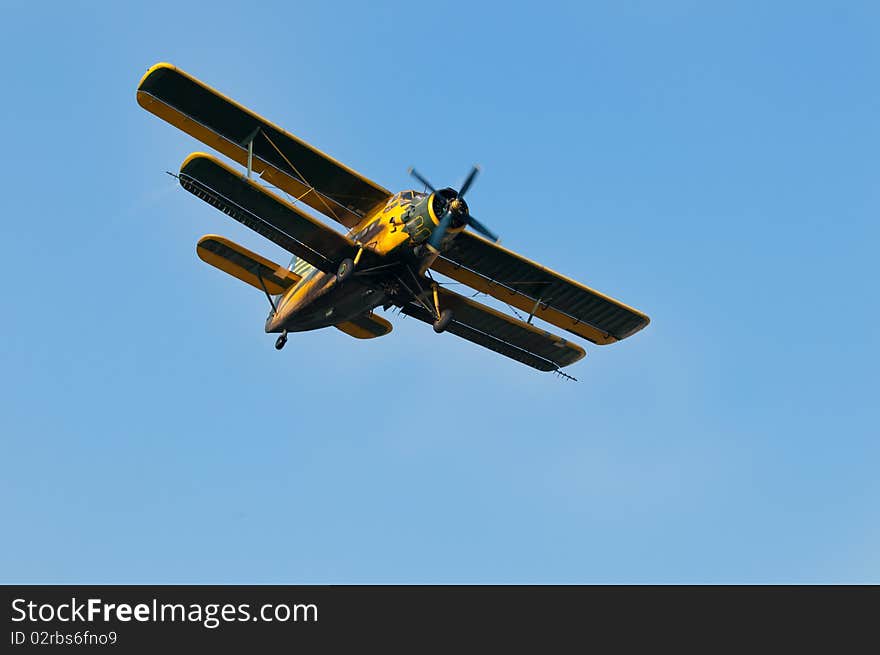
456, 209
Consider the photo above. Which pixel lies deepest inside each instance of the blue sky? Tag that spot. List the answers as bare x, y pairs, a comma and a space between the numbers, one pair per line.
714, 166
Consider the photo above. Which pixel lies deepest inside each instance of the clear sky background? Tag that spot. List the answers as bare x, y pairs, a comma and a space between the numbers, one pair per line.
713, 166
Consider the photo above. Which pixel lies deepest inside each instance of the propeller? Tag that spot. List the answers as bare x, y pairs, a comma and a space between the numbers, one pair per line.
455, 210
415, 174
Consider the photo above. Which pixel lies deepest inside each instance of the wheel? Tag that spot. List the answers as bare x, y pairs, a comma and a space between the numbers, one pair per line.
346, 268
443, 322
280, 341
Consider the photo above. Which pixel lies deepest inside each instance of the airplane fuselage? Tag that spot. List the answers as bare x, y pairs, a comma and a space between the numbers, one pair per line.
397, 233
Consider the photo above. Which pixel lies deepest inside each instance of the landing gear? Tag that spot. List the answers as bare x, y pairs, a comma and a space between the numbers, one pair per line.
280, 341
444, 318
346, 268
443, 322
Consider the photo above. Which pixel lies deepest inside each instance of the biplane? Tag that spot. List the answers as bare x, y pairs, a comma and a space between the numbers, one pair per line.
393, 242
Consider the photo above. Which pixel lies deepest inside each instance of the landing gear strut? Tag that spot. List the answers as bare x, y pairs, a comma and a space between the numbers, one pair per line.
444, 318
280, 341
443, 322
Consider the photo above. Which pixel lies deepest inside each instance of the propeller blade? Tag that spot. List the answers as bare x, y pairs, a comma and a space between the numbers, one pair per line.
439, 232
470, 180
415, 174
482, 229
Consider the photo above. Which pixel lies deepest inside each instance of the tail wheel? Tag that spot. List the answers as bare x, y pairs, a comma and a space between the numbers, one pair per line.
280, 341
443, 322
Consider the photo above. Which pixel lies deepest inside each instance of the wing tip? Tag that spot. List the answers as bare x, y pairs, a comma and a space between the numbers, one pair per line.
215, 238
646, 320
162, 65
580, 353
193, 156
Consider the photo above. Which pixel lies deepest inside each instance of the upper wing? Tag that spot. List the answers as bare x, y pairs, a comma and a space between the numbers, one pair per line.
281, 158
504, 334
264, 212
247, 266
520, 282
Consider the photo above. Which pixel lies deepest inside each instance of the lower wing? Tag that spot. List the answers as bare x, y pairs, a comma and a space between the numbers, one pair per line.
267, 214
504, 334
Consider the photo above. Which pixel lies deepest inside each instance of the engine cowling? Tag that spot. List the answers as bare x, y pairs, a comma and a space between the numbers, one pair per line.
424, 216
448, 210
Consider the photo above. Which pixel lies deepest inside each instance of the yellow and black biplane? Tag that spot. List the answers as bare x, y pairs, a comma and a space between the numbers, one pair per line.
394, 241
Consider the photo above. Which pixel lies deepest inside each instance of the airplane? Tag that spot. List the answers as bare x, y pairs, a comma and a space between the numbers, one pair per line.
393, 243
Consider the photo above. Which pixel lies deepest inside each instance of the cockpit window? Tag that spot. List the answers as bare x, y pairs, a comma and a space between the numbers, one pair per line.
403, 198
406, 197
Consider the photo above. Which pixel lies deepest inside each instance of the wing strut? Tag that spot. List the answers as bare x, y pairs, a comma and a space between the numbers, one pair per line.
535, 308
249, 142
416, 296
308, 184
266, 291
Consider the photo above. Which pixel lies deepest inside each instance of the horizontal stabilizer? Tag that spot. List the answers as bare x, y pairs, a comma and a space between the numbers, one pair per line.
365, 326
247, 266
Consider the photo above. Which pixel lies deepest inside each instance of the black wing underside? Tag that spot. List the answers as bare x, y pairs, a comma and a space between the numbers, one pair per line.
504, 334
265, 213
278, 156
532, 288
